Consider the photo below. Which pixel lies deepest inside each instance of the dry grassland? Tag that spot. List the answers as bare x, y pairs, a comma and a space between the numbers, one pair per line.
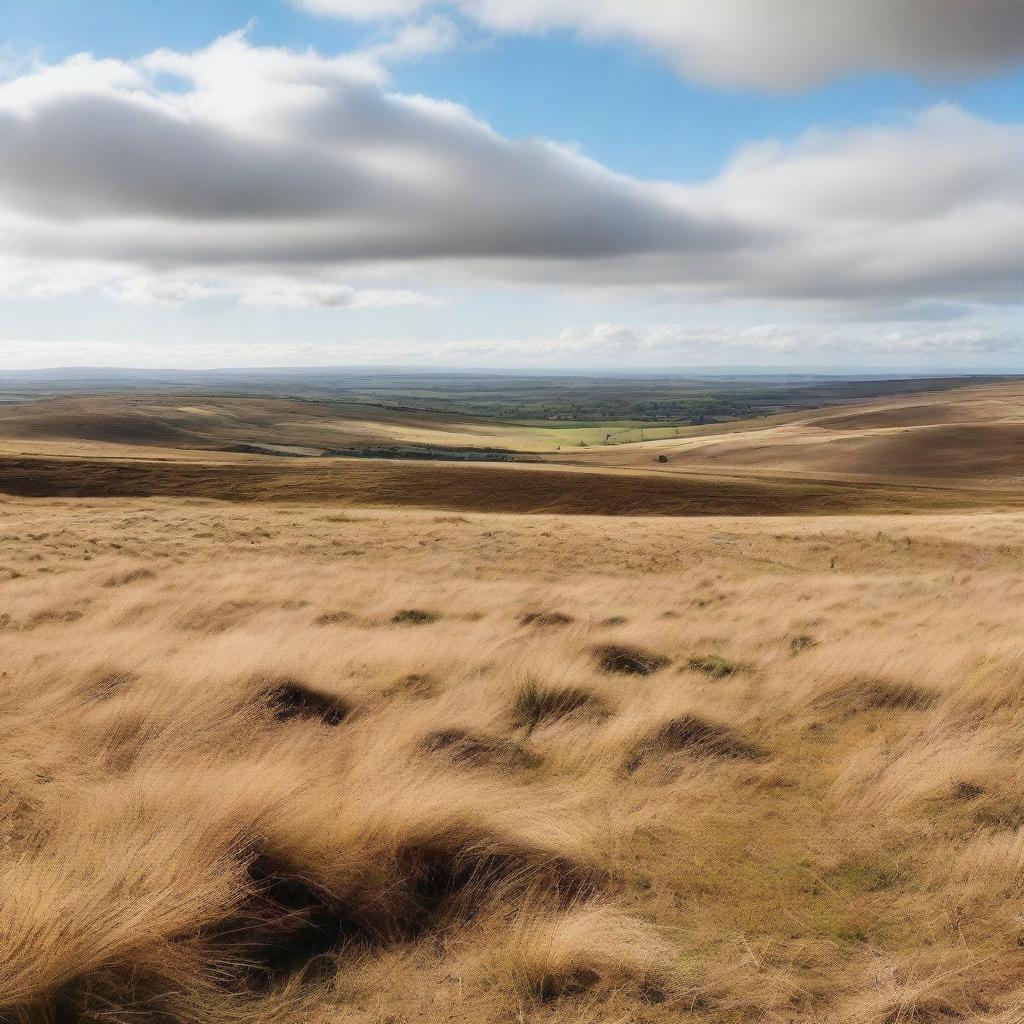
290, 765
519, 488
970, 437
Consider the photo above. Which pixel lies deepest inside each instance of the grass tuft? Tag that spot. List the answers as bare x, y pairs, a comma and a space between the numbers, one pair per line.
334, 618
414, 617
699, 737
536, 703
801, 643
290, 699
129, 576
712, 665
861, 695
625, 659
588, 948
467, 746
546, 619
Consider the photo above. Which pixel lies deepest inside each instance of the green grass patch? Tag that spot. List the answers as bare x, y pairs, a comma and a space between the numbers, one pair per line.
802, 643
414, 617
713, 665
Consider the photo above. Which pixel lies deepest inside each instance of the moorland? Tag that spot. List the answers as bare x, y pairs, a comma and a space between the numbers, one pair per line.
718, 726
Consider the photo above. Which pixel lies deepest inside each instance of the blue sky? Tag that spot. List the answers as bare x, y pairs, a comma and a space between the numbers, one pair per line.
700, 271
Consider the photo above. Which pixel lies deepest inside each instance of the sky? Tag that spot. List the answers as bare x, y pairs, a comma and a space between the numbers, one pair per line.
614, 184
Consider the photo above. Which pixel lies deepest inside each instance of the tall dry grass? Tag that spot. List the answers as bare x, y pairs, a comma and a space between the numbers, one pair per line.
293, 765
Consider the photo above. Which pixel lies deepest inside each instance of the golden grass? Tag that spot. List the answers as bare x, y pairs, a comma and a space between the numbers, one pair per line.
621, 770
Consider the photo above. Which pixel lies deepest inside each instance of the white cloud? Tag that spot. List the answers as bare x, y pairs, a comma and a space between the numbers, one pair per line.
42, 280
602, 345
363, 9
435, 35
772, 44
677, 345
262, 164
673, 345
780, 339
278, 157
262, 294
931, 208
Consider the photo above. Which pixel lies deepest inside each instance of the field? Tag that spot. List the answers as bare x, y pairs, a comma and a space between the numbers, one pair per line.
970, 437
953, 448
733, 737
329, 413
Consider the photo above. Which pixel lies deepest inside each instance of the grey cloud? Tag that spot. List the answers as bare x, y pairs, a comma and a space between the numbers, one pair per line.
312, 168
352, 174
767, 44
95, 156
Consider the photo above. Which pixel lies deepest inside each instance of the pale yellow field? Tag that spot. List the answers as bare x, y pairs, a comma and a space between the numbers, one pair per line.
165, 426
296, 764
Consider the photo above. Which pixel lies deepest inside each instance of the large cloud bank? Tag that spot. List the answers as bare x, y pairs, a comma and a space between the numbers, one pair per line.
244, 163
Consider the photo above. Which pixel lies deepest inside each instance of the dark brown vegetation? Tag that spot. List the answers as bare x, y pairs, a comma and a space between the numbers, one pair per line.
701, 738
288, 699
628, 660
467, 488
545, 619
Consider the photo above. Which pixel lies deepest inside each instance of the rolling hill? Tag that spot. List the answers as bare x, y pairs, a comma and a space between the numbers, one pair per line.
959, 448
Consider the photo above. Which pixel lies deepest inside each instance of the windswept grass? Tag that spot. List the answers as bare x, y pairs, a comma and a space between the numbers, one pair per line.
238, 785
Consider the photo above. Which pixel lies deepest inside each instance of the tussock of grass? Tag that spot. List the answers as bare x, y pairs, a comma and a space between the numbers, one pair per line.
416, 685
801, 643
536, 703
414, 617
699, 737
422, 861
53, 617
118, 896
287, 925
129, 576
468, 746
861, 695
625, 659
546, 619
290, 699
964, 790
220, 618
713, 665
334, 618
584, 948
